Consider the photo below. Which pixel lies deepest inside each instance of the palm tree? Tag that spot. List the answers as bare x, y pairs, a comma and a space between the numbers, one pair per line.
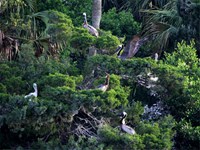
41, 30
171, 24
137, 5
12, 12
96, 13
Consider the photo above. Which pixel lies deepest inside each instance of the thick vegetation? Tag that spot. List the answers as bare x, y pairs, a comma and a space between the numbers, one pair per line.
45, 43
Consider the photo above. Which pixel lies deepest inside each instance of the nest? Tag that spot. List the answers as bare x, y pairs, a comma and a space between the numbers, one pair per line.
85, 124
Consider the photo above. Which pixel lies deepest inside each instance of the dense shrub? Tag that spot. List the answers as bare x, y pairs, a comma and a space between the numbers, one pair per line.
46, 44
153, 137
107, 42
45, 121
120, 23
73, 8
82, 39
58, 25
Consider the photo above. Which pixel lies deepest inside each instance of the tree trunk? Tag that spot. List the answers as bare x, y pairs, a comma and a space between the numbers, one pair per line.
96, 13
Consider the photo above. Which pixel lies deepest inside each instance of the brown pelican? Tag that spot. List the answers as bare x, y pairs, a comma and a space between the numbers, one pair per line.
119, 49
104, 87
35, 93
123, 125
132, 47
90, 28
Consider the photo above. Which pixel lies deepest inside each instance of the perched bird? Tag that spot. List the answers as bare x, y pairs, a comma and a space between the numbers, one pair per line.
35, 93
104, 87
132, 47
119, 49
90, 28
156, 57
154, 78
123, 125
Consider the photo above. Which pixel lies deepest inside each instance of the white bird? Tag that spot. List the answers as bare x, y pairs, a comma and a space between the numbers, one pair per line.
124, 127
90, 28
154, 79
104, 87
35, 93
156, 57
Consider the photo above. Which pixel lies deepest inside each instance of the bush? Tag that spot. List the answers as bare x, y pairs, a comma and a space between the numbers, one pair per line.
82, 39
73, 8
58, 25
120, 23
107, 42
189, 136
113, 140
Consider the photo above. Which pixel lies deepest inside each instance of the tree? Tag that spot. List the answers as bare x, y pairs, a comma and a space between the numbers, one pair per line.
96, 13
175, 21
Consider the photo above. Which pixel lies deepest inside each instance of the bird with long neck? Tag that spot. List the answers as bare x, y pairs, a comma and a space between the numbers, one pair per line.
35, 93
90, 28
119, 49
104, 87
156, 57
123, 125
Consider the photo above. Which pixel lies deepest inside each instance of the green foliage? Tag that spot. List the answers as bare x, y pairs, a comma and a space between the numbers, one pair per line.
158, 135
30, 119
120, 23
83, 143
47, 121
171, 23
18, 82
15, 82
135, 111
184, 57
4, 98
188, 134
51, 5
107, 41
113, 140
76, 9
73, 8
26, 55
185, 97
152, 136
58, 25
2, 88
105, 63
58, 79
116, 94
48, 115
81, 39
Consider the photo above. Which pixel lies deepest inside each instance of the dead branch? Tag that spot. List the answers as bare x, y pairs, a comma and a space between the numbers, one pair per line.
85, 124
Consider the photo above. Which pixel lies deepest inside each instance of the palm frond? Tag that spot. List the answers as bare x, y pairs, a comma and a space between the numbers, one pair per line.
163, 38
161, 33
44, 16
155, 28
30, 4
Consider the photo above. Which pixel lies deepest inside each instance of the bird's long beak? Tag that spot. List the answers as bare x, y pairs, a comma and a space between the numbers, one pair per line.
107, 74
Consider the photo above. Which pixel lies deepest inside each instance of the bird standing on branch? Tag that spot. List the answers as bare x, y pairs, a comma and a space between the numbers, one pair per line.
156, 57
119, 49
90, 28
104, 87
35, 93
123, 125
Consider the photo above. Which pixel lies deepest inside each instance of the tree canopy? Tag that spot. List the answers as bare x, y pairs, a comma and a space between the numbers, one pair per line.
46, 51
